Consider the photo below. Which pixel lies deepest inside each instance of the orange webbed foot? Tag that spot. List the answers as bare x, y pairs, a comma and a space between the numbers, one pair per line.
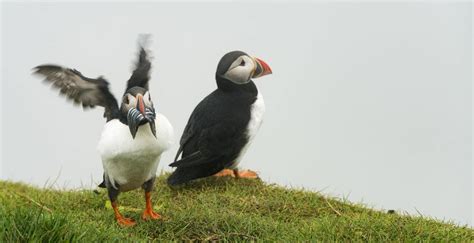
150, 215
126, 222
225, 172
246, 174
122, 221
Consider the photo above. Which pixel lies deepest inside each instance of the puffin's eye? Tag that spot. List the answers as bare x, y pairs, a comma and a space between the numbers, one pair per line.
242, 63
125, 100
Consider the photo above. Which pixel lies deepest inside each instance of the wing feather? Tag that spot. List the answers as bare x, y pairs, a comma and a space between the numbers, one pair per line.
141, 74
80, 89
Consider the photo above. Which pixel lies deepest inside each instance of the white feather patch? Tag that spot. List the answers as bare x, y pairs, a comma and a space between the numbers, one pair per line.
131, 162
256, 117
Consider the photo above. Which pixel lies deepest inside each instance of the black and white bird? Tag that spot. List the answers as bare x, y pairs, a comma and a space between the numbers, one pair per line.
223, 124
134, 136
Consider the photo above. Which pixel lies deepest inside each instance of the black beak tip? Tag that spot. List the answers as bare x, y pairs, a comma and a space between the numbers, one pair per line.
153, 128
133, 131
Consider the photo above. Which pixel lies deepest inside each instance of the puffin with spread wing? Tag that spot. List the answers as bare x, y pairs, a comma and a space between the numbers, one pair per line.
222, 126
134, 136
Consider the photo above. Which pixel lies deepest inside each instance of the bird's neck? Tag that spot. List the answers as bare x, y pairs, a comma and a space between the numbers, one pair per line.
228, 86
123, 119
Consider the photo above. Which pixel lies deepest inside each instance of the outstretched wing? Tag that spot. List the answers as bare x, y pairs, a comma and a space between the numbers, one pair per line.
82, 90
141, 74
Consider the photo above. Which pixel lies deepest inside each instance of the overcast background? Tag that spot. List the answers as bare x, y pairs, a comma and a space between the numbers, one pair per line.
371, 102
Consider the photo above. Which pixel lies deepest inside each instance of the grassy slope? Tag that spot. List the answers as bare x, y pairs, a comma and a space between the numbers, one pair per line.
211, 209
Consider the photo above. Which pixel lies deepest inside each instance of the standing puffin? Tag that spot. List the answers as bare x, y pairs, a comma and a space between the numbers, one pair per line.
224, 123
134, 136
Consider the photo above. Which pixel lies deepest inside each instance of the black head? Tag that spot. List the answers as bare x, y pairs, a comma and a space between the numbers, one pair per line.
240, 68
138, 108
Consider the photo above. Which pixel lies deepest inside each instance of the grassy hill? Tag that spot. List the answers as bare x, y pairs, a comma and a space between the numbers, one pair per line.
210, 209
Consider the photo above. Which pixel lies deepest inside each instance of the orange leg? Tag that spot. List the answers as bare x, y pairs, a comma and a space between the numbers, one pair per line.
122, 221
148, 213
224, 172
246, 174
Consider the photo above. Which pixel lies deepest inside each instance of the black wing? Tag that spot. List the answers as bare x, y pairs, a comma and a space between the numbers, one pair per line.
193, 128
208, 152
80, 89
141, 74
188, 133
211, 140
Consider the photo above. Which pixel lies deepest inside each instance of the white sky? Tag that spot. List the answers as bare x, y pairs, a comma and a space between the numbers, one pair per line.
368, 101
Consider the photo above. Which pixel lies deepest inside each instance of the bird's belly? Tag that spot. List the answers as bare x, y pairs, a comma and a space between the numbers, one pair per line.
128, 162
130, 171
256, 117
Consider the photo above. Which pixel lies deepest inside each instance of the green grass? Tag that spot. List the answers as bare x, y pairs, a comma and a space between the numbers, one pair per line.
210, 209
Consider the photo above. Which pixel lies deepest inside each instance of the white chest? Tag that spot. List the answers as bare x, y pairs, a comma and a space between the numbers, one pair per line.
256, 117
131, 162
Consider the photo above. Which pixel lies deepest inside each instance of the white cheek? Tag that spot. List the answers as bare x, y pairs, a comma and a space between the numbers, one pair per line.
132, 102
240, 74
147, 99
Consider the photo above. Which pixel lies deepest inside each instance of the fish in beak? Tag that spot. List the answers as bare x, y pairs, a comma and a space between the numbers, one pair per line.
261, 68
140, 115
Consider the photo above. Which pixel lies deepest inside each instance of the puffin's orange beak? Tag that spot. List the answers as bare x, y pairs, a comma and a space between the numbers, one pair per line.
140, 104
261, 69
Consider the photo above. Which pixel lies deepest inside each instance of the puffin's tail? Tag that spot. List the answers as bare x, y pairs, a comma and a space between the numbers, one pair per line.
102, 184
185, 174
178, 177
